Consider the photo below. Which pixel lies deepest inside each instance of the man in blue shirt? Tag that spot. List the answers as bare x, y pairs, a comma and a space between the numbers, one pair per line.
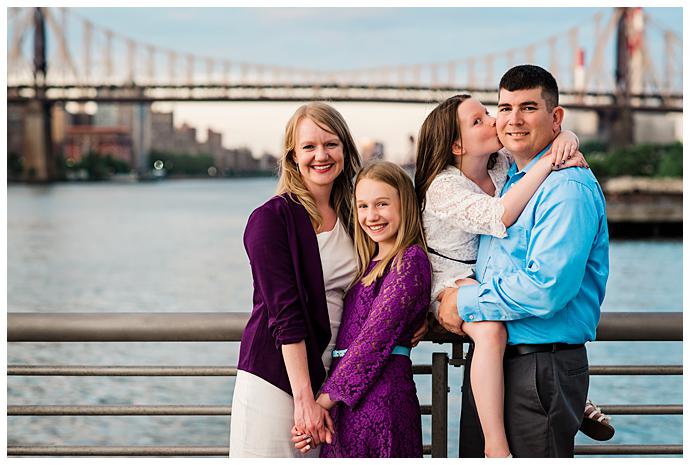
546, 279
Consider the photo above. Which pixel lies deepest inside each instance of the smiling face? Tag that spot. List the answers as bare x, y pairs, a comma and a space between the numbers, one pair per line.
318, 155
378, 212
477, 130
524, 122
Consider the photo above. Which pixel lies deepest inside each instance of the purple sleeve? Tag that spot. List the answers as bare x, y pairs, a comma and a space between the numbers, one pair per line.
268, 248
402, 300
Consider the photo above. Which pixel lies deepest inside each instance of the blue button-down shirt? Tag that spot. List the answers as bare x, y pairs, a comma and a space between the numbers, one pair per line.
546, 279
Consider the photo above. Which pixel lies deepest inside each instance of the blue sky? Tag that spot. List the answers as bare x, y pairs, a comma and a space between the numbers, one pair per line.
343, 39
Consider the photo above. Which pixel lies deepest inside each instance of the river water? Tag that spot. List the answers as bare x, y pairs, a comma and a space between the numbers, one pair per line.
176, 246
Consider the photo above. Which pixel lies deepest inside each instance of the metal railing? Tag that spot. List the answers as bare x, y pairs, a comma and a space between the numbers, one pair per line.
224, 327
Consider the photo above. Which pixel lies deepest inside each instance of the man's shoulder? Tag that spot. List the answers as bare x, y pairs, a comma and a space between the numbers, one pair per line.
572, 179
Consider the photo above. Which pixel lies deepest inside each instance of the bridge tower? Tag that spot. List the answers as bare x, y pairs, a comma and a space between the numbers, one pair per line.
629, 74
39, 163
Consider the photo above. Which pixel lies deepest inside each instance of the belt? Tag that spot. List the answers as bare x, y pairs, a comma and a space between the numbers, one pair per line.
524, 349
397, 350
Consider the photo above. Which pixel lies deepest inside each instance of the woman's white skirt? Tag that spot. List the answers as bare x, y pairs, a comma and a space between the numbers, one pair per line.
261, 421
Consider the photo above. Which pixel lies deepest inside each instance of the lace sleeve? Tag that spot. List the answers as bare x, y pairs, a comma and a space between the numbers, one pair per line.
402, 302
473, 212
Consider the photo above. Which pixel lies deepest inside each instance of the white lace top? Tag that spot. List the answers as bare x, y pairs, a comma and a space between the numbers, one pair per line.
456, 211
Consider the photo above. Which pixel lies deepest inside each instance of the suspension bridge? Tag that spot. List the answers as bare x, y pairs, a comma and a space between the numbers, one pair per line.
92, 63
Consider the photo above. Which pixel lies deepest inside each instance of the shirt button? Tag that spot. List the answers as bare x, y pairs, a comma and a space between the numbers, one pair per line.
471, 317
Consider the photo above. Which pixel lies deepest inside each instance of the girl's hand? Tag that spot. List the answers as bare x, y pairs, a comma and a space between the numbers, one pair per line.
304, 441
563, 148
310, 419
578, 160
324, 400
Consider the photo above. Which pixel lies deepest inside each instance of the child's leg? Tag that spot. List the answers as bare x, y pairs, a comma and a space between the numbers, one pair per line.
486, 376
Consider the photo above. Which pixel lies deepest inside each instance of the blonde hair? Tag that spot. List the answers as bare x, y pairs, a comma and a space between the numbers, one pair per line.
290, 180
410, 229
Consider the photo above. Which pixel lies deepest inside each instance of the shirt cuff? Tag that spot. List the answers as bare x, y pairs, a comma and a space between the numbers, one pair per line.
468, 303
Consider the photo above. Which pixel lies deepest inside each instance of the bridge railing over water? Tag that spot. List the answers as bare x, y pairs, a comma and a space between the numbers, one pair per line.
227, 327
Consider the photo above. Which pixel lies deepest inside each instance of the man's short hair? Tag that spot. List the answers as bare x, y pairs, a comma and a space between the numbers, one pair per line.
523, 77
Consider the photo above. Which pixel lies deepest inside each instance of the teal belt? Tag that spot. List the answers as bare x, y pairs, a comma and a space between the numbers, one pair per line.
397, 350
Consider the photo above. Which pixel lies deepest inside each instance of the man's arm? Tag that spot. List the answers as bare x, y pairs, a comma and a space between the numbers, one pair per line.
559, 244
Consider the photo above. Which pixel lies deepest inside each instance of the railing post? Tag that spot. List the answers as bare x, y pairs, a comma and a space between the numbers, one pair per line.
439, 405
460, 360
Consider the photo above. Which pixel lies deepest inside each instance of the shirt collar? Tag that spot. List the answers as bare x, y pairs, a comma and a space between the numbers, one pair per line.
514, 169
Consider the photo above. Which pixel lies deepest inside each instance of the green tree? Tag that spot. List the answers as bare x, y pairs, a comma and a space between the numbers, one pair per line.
183, 164
671, 165
650, 160
100, 167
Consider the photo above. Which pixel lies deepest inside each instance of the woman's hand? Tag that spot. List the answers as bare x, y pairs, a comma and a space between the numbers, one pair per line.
301, 440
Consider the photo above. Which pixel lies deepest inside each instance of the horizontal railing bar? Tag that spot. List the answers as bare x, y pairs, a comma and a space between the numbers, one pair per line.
191, 370
125, 327
210, 327
131, 451
636, 370
421, 369
130, 370
116, 410
218, 451
630, 449
659, 409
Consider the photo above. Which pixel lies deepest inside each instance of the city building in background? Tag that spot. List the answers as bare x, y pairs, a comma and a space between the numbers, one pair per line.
81, 140
131, 134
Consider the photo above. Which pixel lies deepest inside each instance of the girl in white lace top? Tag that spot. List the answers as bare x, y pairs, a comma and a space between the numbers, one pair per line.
461, 169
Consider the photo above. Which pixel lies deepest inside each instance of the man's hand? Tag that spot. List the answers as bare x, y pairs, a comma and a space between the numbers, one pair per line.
448, 311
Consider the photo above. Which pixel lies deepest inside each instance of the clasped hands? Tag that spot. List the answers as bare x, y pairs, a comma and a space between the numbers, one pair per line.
313, 423
448, 309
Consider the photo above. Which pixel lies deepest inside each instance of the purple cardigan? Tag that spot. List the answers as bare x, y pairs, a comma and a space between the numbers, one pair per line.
289, 296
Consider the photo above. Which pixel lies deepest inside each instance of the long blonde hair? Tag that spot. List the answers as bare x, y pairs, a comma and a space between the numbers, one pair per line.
290, 181
410, 229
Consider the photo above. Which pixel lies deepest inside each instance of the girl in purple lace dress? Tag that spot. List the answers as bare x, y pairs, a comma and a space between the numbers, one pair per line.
370, 391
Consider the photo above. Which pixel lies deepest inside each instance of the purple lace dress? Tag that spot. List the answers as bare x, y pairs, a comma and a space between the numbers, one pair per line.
377, 414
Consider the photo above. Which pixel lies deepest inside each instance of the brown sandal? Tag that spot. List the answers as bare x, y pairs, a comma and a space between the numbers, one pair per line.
595, 424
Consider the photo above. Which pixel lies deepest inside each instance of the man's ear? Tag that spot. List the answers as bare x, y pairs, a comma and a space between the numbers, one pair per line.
558, 115
456, 149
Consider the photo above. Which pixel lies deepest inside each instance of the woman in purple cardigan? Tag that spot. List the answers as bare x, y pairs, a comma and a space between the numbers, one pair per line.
302, 260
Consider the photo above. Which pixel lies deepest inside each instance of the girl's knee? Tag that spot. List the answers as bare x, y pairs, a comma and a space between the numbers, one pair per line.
490, 332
